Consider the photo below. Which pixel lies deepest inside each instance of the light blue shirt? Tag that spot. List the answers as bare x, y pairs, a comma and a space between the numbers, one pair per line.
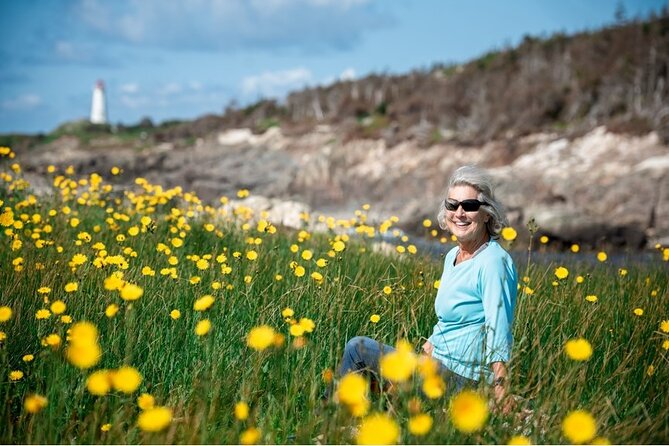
474, 306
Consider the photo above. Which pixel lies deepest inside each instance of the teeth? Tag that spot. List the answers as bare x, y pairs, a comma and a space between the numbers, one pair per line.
462, 224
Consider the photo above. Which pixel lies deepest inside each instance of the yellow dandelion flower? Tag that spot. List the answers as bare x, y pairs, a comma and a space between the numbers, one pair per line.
561, 272
638, 311
177, 242
399, 365
71, 287
353, 389
99, 383
287, 313
387, 289
155, 419
378, 428
579, 426
126, 379
53, 340
296, 330
58, 307
468, 411
434, 386
27, 358
622, 272
543, 239
106, 427
131, 291
66, 319
148, 271
203, 327
578, 349
665, 344
307, 255
519, 440
44, 290
299, 271
591, 298
83, 353
321, 263
650, 371
34, 403
579, 279
259, 338
251, 255
664, 326
509, 234
175, 314
241, 411
307, 324
5, 313
250, 436
575, 248
15, 375
420, 424
374, 318
146, 401
42, 313
203, 303
111, 310
338, 246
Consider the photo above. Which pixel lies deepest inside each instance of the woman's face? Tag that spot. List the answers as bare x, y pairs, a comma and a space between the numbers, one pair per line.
466, 226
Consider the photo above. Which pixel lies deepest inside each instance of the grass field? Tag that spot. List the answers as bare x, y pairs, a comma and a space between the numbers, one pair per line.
125, 262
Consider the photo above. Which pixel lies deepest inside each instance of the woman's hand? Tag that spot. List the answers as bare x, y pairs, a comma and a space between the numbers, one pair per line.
504, 403
428, 348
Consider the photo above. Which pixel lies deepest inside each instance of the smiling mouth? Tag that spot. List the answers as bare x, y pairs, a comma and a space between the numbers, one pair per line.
463, 223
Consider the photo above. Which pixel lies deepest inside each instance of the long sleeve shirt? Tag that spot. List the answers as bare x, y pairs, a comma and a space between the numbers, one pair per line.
475, 305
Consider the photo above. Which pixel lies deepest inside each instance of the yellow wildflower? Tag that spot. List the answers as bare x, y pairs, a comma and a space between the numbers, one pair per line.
468, 411
579, 426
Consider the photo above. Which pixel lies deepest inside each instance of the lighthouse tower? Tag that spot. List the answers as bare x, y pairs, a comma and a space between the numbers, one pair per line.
99, 104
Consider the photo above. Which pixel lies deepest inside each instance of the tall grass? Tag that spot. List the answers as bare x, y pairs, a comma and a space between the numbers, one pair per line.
201, 378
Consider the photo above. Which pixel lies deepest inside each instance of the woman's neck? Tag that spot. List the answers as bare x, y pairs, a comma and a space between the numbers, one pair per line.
468, 249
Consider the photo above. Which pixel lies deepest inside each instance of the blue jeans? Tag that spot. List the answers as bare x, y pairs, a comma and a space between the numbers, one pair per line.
362, 354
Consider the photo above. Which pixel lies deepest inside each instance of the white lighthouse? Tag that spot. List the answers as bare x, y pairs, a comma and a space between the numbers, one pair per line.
99, 104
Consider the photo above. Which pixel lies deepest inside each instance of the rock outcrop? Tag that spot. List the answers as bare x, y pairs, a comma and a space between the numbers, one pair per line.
599, 189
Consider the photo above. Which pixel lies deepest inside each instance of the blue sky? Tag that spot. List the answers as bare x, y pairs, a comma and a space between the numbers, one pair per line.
179, 59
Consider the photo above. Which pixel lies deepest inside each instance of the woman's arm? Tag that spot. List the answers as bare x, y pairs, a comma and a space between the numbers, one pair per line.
500, 386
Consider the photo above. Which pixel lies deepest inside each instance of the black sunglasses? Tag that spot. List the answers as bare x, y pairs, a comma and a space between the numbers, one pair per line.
470, 205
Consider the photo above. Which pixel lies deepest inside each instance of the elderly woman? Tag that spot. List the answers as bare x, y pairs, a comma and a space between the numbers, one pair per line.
476, 298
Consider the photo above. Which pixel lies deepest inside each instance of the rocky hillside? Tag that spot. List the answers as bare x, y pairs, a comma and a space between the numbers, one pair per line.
574, 129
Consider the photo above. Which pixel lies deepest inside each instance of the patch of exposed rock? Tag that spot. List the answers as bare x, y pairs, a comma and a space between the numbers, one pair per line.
599, 189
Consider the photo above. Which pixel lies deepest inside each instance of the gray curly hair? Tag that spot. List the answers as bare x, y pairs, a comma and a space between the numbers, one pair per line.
480, 180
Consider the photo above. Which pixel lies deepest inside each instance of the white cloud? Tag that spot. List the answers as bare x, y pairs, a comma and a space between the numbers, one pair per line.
234, 24
135, 101
130, 88
347, 75
24, 102
170, 88
276, 83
